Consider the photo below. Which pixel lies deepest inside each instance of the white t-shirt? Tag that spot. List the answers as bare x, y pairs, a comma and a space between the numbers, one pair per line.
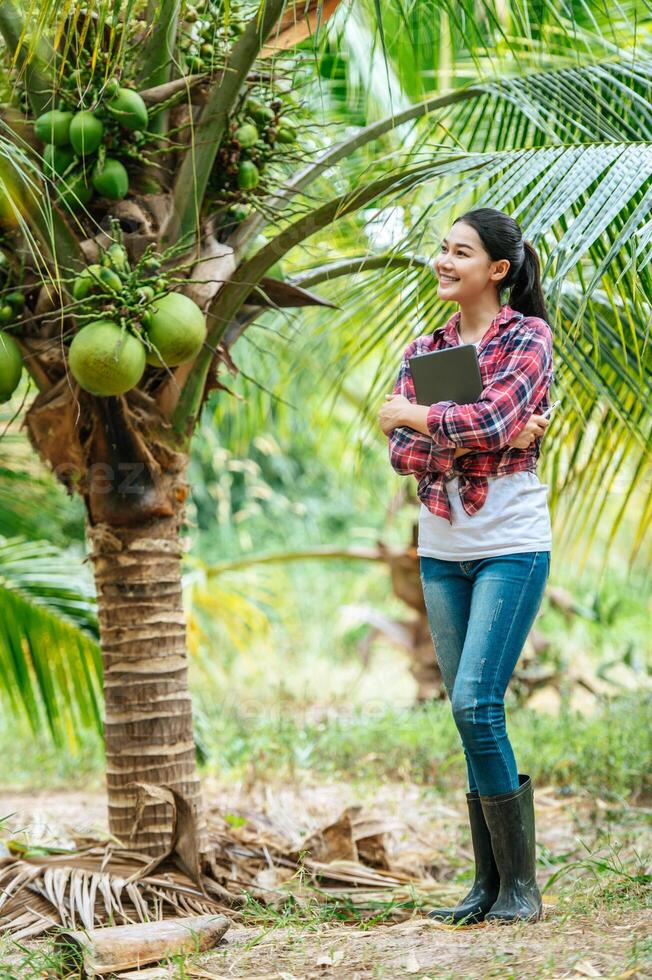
514, 518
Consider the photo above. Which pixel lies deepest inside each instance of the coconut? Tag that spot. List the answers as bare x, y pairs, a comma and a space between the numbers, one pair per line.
74, 193
57, 159
54, 127
246, 135
116, 256
176, 328
248, 175
86, 132
129, 109
11, 366
105, 360
87, 281
112, 180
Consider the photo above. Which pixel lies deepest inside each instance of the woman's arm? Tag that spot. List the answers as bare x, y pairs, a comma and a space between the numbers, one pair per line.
409, 451
503, 408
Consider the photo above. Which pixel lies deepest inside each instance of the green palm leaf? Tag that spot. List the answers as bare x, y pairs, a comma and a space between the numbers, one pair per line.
50, 666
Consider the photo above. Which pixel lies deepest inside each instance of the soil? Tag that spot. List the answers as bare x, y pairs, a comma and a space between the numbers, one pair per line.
594, 924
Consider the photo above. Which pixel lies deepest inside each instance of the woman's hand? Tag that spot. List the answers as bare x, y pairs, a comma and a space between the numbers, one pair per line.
534, 427
392, 413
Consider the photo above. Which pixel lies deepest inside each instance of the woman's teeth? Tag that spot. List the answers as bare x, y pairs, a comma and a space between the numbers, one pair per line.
448, 279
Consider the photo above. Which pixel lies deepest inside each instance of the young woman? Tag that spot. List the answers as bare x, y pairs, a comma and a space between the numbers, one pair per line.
484, 532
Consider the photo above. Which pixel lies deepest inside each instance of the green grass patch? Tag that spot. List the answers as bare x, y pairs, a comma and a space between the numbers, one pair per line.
602, 754
605, 754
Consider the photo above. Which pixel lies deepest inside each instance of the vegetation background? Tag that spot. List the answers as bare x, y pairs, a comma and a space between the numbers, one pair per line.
293, 689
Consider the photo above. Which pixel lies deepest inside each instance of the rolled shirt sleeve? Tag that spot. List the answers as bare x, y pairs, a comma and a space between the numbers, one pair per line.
412, 452
506, 403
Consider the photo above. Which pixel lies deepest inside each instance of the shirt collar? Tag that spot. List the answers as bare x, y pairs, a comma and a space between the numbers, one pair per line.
505, 316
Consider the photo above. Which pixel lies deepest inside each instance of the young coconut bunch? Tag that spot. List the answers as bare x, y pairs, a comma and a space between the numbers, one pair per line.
83, 145
12, 305
132, 317
261, 147
207, 30
11, 365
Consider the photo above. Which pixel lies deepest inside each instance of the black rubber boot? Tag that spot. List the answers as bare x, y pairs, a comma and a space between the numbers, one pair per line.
510, 819
484, 891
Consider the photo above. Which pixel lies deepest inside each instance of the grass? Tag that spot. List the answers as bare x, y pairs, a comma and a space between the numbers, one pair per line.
604, 754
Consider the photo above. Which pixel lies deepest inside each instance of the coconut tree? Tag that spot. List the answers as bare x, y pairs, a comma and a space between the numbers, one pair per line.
145, 150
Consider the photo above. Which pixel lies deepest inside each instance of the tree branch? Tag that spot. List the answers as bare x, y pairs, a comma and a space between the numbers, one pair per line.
157, 63
247, 229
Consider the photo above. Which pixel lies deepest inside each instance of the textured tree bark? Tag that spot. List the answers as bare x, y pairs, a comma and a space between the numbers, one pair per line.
148, 727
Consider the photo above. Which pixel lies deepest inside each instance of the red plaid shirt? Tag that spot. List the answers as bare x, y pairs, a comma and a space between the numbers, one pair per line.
515, 357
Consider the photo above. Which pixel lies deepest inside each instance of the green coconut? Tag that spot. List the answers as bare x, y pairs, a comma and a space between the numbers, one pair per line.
177, 328
104, 360
116, 257
11, 366
246, 135
239, 212
110, 280
112, 180
262, 114
57, 159
87, 281
86, 132
111, 88
75, 193
129, 109
16, 299
248, 175
285, 132
54, 127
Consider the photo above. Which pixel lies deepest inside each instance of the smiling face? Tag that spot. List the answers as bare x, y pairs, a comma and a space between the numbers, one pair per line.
465, 270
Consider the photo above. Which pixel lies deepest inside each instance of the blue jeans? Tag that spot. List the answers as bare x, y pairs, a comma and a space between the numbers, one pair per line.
480, 613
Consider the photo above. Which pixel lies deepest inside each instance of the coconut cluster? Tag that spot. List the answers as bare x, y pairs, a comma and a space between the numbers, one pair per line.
134, 319
207, 33
80, 154
244, 155
12, 303
11, 365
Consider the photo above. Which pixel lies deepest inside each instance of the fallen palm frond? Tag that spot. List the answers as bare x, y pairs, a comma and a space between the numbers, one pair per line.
91, 887
101, 883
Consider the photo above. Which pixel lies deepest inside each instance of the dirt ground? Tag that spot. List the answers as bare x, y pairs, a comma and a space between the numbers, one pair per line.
596, 924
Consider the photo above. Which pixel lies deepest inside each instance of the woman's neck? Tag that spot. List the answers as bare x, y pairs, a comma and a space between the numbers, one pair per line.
476, 317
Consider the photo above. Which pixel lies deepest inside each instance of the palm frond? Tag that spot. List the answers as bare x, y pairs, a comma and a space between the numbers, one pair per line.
33, 504
33, 55
50, 665
92, 887
486, 115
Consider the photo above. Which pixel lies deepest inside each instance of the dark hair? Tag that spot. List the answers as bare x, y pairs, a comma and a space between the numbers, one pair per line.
502, 238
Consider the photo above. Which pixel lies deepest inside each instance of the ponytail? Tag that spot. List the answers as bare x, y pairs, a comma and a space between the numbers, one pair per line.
526, 294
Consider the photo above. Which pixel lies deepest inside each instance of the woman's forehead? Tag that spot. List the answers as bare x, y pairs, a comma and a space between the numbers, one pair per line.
462, 234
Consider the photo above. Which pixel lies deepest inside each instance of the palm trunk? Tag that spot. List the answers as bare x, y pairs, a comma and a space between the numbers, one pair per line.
148, 727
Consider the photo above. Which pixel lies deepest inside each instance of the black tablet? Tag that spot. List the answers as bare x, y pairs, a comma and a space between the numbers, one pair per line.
449, 374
